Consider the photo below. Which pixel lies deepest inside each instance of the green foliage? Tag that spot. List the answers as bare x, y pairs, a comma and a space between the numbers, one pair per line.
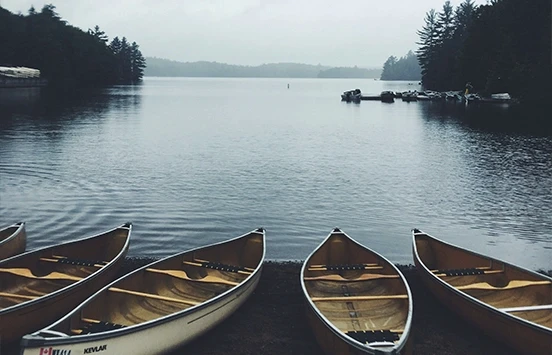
65, 55
405, 68
503, 46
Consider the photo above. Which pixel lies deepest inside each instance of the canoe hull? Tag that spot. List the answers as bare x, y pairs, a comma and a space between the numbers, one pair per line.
168, 336
13, 240
28, 317
523, 336
203, 287
356, 300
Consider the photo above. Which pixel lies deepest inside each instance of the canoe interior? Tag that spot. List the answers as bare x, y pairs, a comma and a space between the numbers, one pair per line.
8, 232
377, 301
149, 294
35, 274
494, 281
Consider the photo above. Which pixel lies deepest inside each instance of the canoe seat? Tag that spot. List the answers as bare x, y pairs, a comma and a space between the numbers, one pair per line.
218, 266
460, 272
81, 262
100, 326
372, 336
71, 261
343, 267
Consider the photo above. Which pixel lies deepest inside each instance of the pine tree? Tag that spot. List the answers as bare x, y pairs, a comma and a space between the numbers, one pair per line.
429, 40
138, 63
98, 34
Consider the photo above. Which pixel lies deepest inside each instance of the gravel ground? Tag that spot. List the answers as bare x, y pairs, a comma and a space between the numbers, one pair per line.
273, 321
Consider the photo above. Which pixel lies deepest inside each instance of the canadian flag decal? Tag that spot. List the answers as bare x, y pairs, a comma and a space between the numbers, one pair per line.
45, 351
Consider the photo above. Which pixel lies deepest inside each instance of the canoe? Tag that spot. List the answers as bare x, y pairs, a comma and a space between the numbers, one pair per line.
358, 302
161, 306
13, 240
39, 286
507, 302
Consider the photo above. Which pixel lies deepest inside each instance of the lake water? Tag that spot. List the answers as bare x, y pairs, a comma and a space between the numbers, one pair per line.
191, 161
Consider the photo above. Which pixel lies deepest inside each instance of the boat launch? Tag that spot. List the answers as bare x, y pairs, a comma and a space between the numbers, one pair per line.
357, 301
38, 286
161, 306
507, 302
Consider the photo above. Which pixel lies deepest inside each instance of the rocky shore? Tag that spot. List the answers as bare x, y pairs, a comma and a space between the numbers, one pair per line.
273, 321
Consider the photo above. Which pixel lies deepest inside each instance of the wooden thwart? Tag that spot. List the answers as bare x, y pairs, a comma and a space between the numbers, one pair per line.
51, 276
362, 277
511, 285
90, 320
15, 295
152, 296
181, 274
357, 298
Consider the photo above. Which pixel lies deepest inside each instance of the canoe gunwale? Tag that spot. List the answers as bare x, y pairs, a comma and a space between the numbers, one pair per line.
438, 281
36, 340
397, 348
15, 243
76, 284
21, 226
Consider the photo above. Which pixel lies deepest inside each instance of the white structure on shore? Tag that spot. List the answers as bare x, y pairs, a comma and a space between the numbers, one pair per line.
13, 77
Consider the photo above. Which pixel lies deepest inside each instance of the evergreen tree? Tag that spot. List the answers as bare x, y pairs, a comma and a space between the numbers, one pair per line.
138, 63
429, 41
98, 34
405, 68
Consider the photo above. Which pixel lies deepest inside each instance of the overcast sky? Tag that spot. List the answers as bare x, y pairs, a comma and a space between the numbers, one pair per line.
253, 32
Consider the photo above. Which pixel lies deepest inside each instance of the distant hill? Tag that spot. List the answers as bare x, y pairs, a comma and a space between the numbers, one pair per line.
166, 67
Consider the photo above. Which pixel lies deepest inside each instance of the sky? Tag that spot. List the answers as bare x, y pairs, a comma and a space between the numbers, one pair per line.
252, 32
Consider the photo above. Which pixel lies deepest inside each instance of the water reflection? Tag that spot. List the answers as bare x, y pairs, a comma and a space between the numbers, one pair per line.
48, 111
490, 117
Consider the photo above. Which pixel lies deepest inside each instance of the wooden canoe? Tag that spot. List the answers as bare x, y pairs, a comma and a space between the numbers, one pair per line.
358, 302
39, 286
507, 302
161, 306
13, 240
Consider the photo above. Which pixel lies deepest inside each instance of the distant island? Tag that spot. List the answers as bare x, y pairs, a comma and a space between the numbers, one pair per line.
165, 67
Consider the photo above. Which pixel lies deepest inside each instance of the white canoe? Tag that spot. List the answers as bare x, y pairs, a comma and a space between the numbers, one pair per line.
161, 306
358, 302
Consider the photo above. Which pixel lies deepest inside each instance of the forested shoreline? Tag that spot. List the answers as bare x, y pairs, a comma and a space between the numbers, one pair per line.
404, 68
66, 55
503, 46
166, 67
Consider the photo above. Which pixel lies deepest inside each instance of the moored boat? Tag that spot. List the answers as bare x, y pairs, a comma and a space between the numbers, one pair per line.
507, 302
357, 301
38, 286
13, 240
161, 306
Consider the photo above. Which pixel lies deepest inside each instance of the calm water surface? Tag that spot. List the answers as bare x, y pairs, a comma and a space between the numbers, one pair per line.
194, 161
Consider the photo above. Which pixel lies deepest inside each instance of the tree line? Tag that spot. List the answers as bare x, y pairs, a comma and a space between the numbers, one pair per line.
404, 68
503, 46
166, 67
66, 55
